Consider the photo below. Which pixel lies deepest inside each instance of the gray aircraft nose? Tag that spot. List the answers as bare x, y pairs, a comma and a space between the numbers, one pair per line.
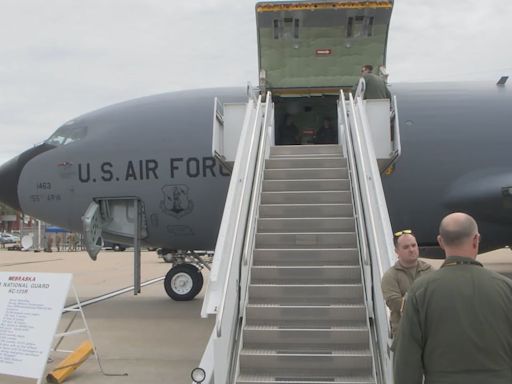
10, 174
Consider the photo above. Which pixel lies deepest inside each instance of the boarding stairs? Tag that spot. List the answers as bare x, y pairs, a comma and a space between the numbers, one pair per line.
305, 318
304, 241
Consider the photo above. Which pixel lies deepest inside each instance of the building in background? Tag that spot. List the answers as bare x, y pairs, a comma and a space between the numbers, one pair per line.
14, 221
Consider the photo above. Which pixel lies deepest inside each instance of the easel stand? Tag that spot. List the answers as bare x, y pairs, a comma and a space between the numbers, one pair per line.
79, 355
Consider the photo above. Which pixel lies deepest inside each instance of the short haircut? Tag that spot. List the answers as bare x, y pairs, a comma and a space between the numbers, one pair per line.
395, 238
369, 67
455, 231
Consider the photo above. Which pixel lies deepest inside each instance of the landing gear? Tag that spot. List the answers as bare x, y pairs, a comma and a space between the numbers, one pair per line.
118, 248
185, 280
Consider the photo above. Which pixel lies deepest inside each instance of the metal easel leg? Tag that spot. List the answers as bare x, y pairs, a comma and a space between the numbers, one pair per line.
89, 335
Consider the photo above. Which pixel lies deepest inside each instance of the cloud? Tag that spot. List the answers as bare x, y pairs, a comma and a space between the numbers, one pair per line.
449, 40
62, 58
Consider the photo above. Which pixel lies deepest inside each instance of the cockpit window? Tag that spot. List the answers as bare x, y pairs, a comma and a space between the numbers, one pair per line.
67, 134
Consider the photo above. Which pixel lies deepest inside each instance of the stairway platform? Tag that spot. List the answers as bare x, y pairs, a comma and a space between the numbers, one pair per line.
306, 185
306, 315
309, 162
248, 379
305, 150
302, 340
294, 224
306, 197
298, 294
281, 363
306, 210
305, 319
306, 257
306, 240
306, 275
305, 173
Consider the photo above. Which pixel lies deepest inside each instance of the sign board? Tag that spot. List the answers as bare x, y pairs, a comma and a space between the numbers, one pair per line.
31, 305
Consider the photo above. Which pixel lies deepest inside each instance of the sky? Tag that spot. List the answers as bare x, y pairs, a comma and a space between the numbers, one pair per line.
62, 58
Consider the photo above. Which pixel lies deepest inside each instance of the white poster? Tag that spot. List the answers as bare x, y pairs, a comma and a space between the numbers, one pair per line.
31, 305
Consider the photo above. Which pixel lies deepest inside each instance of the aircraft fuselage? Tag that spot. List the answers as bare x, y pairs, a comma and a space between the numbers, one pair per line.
455, 140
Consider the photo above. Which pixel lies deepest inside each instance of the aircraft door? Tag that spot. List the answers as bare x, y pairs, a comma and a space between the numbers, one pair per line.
116, 217
92, 230
228, 122
307, 45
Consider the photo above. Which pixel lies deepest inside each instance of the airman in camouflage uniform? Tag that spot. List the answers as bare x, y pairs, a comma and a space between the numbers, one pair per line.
457, 323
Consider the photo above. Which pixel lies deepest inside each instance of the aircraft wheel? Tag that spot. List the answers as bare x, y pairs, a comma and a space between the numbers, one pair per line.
118, 248
183, 282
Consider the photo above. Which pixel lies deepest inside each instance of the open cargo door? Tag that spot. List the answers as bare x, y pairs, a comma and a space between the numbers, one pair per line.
317, 46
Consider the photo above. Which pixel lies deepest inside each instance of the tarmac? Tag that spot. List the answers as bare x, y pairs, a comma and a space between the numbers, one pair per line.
147, 338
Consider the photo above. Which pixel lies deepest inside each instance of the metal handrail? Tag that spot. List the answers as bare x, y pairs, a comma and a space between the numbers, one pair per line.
368, 176
222, 296
252, 218
376, 223
220, 308
396, 130
382, 243
397, 144
355, 176
229, 212
257, 183
354, 181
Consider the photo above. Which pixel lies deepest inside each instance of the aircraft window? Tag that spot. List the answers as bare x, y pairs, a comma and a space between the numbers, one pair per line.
350, 26
276, 29
67, 134
360, 26
369, 27
287, 28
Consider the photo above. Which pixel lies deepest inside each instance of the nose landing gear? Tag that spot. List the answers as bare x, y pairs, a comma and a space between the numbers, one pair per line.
185, 280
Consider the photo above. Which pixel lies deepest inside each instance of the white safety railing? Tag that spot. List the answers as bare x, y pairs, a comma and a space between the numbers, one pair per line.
397, 144
229, 276
250, 233
395, 135
373, 224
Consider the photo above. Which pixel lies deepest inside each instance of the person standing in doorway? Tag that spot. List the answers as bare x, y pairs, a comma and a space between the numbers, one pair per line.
371, 86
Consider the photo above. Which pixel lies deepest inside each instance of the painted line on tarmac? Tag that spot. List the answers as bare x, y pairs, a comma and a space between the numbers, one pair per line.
29, 262
110, 295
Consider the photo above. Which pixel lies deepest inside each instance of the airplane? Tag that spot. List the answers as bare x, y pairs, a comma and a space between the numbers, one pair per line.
158, 150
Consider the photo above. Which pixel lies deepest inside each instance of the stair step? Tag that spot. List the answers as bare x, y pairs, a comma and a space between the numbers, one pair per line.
306, 210
265, 379
306, 197
306, 240
306, 320
305, 173
301, 162
297, 294
304, 340
306, 257
306, 185
305, 365
305, 275
306, 315
301, 150
295, 225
